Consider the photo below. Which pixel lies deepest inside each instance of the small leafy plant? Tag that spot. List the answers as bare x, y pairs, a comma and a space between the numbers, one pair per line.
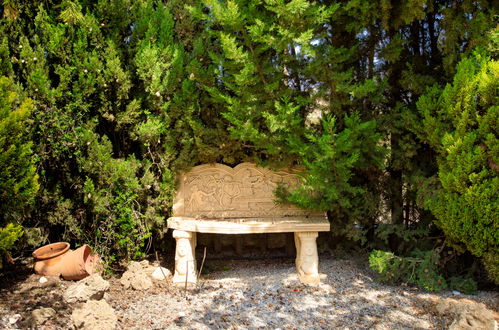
420, 268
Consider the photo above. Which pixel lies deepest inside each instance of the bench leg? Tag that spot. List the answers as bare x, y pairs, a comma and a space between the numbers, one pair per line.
307, 259
185, 258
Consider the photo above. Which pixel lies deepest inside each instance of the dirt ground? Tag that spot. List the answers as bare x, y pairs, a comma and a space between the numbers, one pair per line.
240, 294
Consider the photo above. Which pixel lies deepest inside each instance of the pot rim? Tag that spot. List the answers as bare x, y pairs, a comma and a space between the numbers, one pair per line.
51, 250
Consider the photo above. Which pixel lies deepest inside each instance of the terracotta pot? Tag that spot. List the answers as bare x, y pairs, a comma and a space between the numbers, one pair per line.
57, 259
79, 263
48, 257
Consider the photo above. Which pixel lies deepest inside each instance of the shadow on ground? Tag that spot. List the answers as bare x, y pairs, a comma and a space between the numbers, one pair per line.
21, 293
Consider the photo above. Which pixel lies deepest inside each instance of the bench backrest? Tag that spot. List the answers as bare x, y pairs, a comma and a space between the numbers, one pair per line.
247, 191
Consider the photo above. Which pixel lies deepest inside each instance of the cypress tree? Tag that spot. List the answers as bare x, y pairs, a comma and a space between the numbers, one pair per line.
18, 178
101, 130
285, 90
461, 122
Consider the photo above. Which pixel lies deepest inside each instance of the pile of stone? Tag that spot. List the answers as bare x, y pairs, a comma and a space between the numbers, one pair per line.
139, 275
89, 297
91, 311
467, 314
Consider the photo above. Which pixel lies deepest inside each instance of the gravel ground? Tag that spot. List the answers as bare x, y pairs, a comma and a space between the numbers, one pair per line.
267, 294
250, 294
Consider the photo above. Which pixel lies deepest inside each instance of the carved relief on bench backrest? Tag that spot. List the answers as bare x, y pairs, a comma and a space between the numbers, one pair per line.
219, 191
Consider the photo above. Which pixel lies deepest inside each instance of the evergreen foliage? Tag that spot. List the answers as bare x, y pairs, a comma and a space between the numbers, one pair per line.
126, 94
18, 178
8, 236
277, 101
461, 123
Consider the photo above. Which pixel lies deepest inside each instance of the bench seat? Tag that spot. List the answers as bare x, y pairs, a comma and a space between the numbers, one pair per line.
218, 199
250, 225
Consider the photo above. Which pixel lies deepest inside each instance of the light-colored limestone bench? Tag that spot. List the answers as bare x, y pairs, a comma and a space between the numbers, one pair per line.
218, 199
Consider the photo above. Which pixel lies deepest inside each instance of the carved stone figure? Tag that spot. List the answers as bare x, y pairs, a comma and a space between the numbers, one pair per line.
185, 261
307, 258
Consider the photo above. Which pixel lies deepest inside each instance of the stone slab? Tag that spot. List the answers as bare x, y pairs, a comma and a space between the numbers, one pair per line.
250, 225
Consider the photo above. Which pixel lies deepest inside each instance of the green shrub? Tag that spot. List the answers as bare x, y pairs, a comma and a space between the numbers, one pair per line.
112, 194
491, 263
113, 119
461, 123
18, 178
463, 284
420, 268
8, 236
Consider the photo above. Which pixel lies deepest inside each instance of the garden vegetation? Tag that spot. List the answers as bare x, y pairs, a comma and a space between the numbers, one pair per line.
389, 107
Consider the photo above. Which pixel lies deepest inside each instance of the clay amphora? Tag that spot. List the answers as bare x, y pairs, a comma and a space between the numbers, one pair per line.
48, 257
57, 259
79, 263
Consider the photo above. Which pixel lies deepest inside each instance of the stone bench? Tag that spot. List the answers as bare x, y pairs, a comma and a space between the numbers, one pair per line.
218, 199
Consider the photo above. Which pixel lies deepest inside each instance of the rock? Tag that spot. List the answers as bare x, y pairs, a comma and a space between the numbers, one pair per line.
48, 281
107, 297
90, 288
136, 277
14, 318
41, 315
94, 314
467, 314
135, 267
136, 280
161, 273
